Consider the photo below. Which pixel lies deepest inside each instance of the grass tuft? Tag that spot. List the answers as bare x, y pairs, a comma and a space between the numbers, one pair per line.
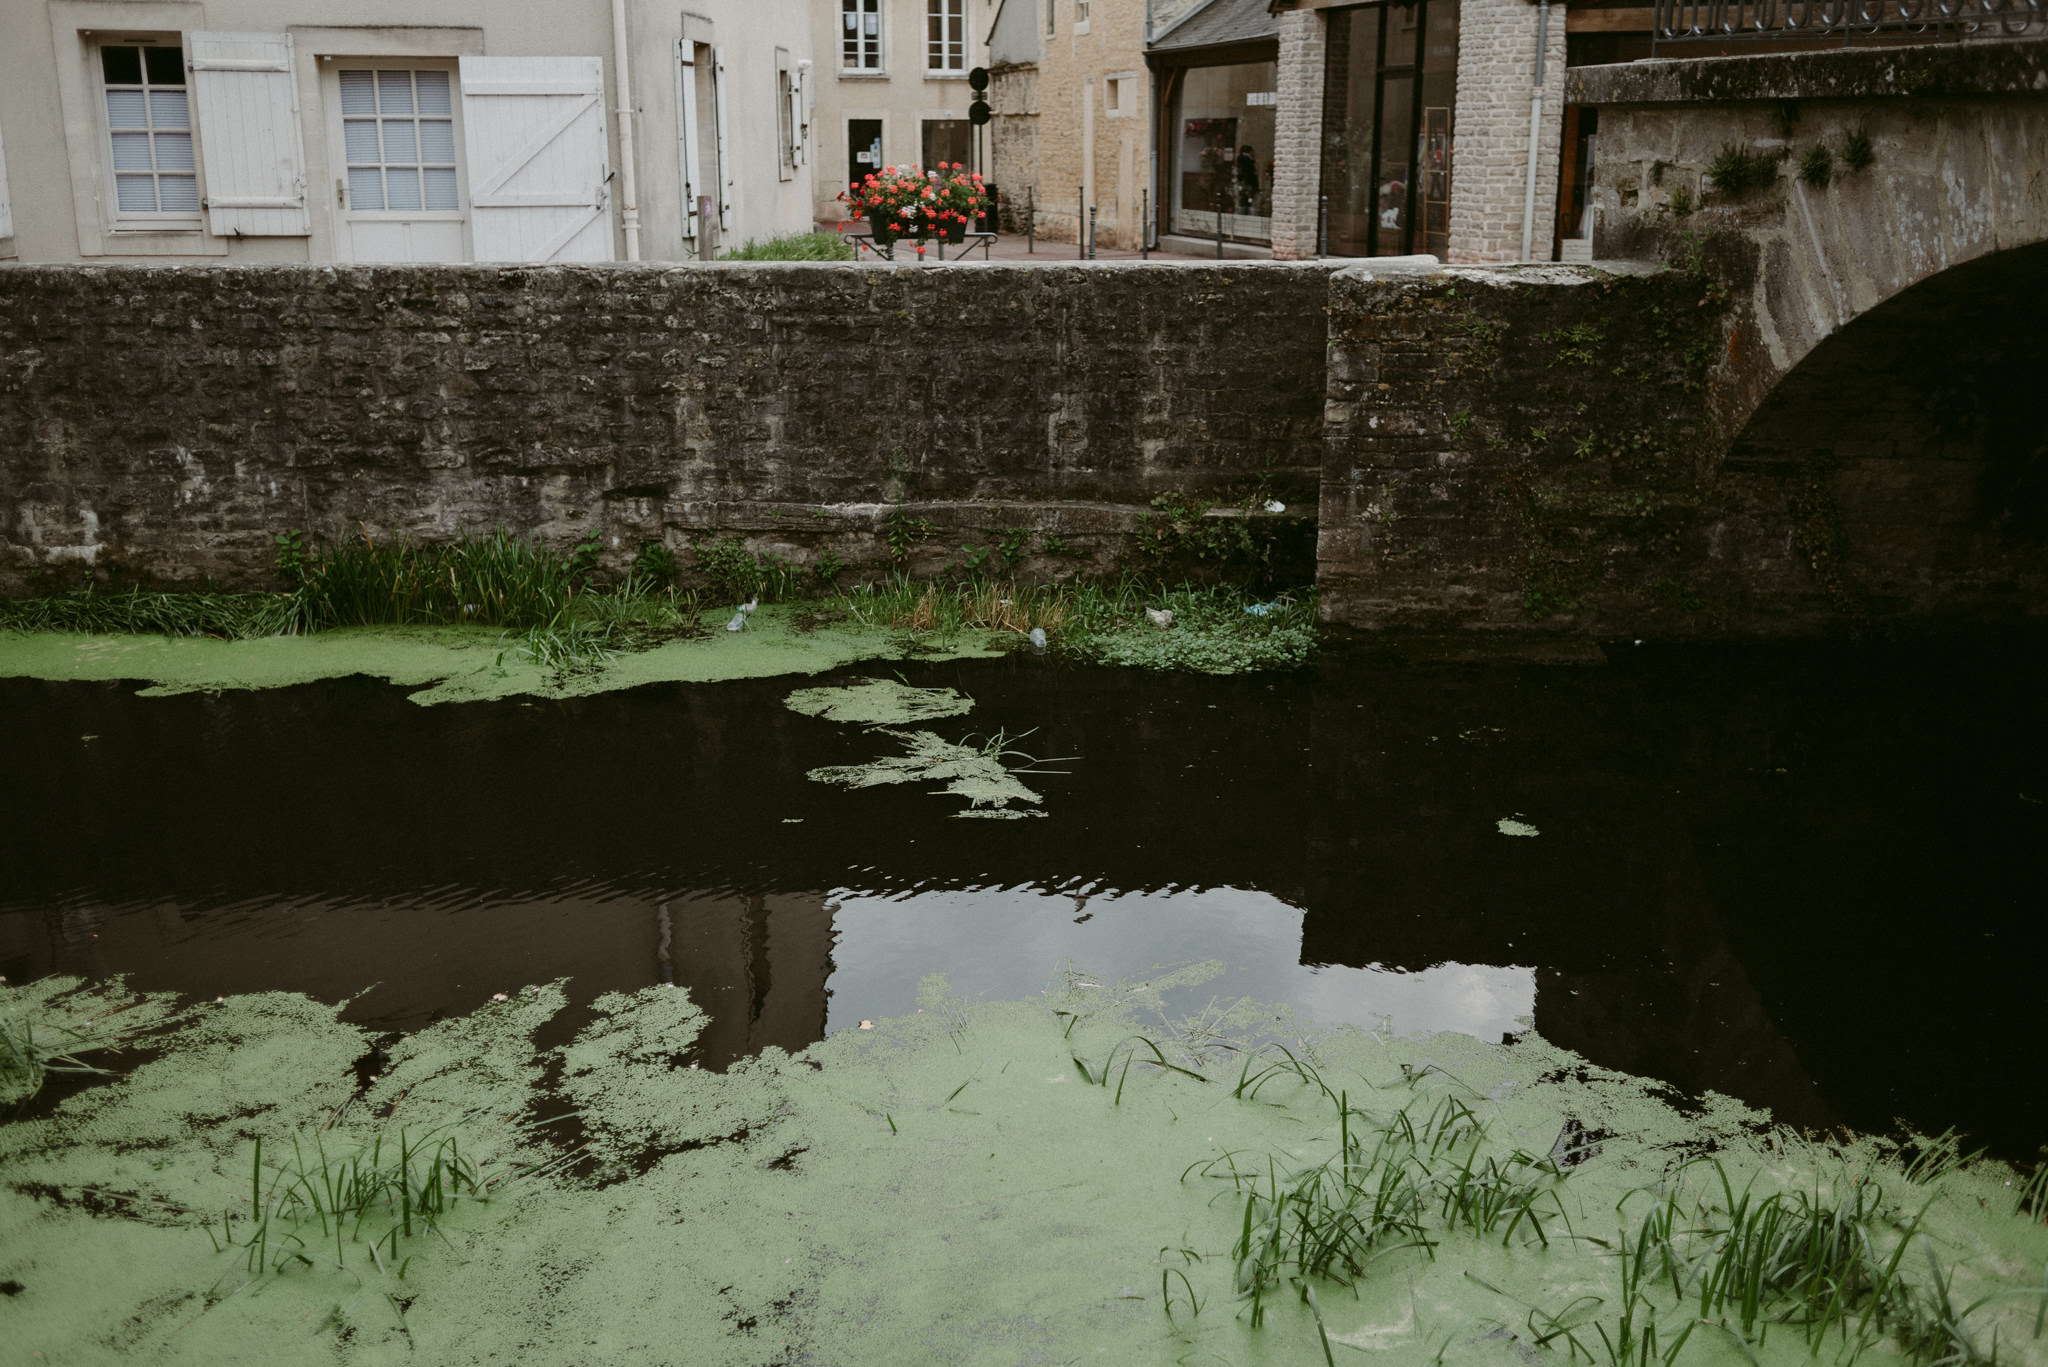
792, 247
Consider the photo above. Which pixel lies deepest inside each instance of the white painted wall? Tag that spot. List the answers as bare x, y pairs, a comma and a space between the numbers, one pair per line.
57, 145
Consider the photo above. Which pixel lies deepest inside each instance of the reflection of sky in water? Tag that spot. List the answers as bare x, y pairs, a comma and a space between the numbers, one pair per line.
1008, 942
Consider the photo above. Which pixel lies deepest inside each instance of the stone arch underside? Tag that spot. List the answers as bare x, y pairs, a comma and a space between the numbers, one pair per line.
1913, 443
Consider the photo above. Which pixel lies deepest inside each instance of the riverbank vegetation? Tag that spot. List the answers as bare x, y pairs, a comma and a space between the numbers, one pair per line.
561, 612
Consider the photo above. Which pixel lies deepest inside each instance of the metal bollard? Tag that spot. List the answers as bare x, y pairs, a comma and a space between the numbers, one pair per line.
1080, 217
1219, 226
1031, 220
1091, 232
1145, 225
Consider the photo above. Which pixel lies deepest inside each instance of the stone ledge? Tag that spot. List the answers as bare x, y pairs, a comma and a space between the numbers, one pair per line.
1929, 71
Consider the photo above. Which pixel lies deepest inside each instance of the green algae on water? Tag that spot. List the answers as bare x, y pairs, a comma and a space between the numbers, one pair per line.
1063, 1179
453, 664
965, 771
879, 702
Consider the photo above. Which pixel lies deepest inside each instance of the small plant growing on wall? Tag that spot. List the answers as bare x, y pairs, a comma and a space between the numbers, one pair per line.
1736, 170
1817, 166
1681, 203
1857, 153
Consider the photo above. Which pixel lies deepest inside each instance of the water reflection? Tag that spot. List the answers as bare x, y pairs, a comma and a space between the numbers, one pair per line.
1001, 943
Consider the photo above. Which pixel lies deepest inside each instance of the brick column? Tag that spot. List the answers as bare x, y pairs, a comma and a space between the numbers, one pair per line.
1298, 136
1496, 67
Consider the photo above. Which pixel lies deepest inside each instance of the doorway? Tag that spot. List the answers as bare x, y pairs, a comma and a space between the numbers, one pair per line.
1389, 128
863, 149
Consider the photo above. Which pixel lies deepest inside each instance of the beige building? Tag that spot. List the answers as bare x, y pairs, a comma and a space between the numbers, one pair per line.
401, 130
892, 88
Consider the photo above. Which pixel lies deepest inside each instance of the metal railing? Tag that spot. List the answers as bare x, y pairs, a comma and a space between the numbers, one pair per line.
1845, 21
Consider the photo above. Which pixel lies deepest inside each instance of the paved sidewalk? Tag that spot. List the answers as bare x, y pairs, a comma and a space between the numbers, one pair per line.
1014, 249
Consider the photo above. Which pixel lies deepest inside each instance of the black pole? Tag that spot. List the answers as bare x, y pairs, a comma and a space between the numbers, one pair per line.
1031, 219
1323, 229
1080, 221
1145, 224
1219, 225
1091, 232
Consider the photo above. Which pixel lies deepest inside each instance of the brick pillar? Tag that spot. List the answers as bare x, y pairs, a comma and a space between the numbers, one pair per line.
1496, 68
1298, 136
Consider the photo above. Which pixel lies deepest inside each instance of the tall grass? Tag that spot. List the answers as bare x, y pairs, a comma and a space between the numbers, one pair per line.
490, 580
234, 616
819, 246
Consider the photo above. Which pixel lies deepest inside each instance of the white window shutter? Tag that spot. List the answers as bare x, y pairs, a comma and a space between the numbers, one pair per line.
724, 155
6, 212
538, 160
247, 100
686, 133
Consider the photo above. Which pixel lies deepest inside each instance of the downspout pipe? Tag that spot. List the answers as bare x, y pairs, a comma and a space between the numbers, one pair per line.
629, 184
1535, 132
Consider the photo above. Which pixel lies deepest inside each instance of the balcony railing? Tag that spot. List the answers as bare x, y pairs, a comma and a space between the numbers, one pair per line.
1846, 21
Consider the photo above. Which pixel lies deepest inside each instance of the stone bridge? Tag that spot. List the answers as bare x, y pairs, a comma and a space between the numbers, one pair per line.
1827, 406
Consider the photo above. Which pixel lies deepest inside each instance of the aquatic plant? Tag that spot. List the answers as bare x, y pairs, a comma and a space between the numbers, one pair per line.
490, 580
376, 1196
27, 1060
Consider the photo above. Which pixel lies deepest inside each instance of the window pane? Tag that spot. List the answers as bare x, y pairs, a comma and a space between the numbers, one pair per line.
136, 194
394, 92
174, 151
358, 93
131, 152
437, 141
400, 147
167, 109
360, 135
179, 192
402, 188
365, 188
433, 91
124, 109
166, 65
441, 187
121, 65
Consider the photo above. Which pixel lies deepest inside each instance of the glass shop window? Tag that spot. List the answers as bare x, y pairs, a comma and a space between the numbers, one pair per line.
1389, 127
1223, 150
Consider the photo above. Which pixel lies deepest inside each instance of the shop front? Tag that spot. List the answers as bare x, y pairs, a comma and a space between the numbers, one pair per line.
1390, 127
1218, 75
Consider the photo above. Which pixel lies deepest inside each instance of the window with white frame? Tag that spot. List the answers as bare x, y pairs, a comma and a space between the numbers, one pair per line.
945, 24
149, 132
1080, 16
398, 132
860, 24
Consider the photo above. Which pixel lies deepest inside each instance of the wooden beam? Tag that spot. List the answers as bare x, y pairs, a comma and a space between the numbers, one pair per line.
1577, 20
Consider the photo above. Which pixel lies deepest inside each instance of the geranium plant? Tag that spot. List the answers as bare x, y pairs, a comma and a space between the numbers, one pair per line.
912, 202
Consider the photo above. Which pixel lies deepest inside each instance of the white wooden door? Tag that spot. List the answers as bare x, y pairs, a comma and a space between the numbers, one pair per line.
538, 165
247, 100
396, 146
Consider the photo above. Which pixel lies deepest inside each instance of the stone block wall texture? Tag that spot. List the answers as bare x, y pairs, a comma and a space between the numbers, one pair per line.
1298, 136
1548, 450
161, 424
1496, 71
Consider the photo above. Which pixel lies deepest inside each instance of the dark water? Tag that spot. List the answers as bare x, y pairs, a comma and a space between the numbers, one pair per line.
1810, 877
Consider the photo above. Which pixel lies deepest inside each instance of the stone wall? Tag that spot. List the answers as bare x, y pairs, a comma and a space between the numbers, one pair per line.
1545, 451
161, 424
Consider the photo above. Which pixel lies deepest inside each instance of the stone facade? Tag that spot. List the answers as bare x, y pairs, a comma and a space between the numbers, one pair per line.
1489, 183
160, 425
1298, 137
1095, 118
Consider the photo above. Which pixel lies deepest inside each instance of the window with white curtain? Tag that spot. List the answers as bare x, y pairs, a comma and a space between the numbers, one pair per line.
149, 132
945, 35
860, 23
398, 132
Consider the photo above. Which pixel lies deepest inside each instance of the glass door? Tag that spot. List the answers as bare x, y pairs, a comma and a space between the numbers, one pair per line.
1388, 127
